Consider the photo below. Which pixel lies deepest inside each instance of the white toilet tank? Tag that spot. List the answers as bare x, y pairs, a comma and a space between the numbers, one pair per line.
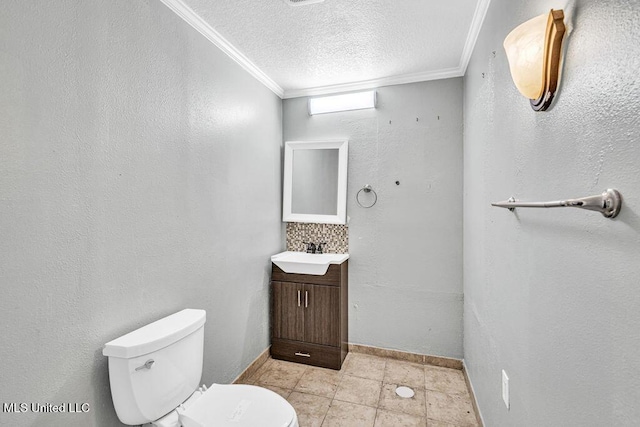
157, 367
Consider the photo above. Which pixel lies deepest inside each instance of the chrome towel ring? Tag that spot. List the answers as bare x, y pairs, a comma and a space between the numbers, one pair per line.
367, 189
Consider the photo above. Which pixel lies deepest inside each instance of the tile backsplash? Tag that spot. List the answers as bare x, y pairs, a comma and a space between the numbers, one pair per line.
336, 236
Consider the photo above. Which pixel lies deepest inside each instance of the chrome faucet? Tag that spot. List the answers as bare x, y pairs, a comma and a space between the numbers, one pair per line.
319, 249
311, 247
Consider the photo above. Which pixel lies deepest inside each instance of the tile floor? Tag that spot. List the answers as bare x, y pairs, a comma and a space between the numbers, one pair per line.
362, 393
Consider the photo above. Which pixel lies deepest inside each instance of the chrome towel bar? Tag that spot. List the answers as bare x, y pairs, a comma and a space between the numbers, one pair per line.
608, 203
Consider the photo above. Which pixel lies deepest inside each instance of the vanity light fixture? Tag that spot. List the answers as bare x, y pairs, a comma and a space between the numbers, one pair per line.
534, 51
344, 102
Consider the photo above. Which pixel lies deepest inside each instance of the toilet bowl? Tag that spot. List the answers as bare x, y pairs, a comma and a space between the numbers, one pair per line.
154, 373
231, 405
239, 406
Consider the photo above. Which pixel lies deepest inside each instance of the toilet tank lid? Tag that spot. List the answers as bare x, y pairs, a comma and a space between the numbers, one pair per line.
156, 335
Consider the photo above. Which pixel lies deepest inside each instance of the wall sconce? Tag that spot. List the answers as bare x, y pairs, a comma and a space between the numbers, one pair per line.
534, 51
345, 102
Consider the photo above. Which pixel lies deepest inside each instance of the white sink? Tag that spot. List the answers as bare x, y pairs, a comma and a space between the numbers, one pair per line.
305, 263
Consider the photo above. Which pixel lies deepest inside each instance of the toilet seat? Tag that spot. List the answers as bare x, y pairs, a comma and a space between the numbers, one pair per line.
237, 405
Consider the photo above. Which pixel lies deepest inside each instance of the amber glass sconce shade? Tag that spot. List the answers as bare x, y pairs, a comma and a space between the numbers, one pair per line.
534, 51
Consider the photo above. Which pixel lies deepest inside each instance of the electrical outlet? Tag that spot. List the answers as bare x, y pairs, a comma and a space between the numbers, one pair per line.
505, 388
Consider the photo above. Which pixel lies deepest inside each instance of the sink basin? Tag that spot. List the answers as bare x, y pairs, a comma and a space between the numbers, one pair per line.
304, 263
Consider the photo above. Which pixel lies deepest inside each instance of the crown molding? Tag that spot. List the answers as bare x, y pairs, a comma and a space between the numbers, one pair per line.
445, 73
474, 31
199, 24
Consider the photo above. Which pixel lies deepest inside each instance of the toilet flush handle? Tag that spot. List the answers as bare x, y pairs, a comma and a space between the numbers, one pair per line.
147, 365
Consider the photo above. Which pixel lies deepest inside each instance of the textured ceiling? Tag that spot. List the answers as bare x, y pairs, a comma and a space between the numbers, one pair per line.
343, 41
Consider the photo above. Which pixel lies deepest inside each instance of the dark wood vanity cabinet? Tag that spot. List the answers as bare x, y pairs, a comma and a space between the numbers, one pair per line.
309, 321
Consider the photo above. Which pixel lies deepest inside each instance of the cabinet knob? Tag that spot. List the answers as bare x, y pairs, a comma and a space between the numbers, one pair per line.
303, 354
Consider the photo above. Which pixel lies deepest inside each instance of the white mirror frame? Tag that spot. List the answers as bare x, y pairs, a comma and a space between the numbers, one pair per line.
289, 148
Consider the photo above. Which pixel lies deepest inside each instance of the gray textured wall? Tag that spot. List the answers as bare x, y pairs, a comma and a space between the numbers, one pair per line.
140, 173
405, 282
552, 297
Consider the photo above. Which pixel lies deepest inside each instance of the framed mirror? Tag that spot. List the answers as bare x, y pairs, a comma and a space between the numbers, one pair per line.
315, 182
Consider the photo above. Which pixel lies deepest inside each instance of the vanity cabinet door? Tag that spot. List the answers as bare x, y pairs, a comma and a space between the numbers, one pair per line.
322, 315
309, 316
288, 314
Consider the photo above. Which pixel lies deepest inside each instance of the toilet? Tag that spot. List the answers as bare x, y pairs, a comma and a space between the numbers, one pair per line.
155, 372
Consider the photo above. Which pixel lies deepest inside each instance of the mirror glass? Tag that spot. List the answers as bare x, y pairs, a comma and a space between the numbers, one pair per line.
315, 182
